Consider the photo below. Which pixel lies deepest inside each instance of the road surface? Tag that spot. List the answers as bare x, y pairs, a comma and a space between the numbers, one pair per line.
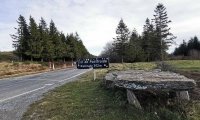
17, 93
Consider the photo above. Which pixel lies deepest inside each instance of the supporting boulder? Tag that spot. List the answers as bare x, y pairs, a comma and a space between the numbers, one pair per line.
183, 95
132, 99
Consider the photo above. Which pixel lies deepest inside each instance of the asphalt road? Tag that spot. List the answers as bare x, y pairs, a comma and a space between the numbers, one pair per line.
17, 93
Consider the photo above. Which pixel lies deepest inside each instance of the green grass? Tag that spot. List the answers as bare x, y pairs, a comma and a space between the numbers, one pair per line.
194, 111
89, 100
185, 65
191, 69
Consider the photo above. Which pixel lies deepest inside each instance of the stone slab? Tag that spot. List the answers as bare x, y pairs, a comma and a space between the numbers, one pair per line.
149, 80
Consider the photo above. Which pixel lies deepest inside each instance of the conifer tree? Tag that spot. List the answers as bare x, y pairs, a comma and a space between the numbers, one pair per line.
150, 42
21, 38
54, 39
162, 30
46, 44
121, 40
64, 47
69, 42
182, 49
134, 49
193, 43
34, 44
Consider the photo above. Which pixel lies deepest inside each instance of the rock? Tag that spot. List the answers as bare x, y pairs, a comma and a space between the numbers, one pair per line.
155, 80
183, 95
132, 99
149, 80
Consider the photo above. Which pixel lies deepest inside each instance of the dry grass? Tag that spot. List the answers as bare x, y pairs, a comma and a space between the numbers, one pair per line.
135, 66
18, 68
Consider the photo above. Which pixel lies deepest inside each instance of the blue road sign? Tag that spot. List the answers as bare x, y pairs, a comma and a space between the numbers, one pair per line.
93, 63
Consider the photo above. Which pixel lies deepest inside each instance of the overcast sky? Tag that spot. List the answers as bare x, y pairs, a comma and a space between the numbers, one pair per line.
96, 20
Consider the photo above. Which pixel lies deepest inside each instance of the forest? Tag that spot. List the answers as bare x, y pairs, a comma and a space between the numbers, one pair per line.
42, 43
152, 45
188, 50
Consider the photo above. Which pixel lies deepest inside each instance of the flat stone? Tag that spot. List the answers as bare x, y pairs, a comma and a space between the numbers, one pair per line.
149, 80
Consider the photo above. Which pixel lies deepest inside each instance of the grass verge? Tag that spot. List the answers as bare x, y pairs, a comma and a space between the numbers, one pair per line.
185, 65
89, 100
13, 69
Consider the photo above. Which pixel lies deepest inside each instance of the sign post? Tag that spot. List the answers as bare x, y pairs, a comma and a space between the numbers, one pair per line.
95, 63
94, 74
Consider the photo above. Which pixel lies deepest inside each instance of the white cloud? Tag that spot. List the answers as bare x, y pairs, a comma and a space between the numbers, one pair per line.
96, 20
5, 38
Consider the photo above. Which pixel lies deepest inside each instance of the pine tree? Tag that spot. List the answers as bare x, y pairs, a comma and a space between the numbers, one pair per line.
150, 42
46, 44
81, 50
162, 30
194, 43
134, 50
21, 38
54, 39
64, 47
35, 42
182, 49
70, 41
121, 40
146, 38
35, 45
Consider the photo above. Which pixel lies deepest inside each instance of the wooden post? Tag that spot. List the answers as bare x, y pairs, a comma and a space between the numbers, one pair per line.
53, 67
72, 62
94, 74
132, 99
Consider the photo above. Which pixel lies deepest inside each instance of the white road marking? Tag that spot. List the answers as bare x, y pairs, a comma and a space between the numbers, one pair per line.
48, 84
74, 76
3, 100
